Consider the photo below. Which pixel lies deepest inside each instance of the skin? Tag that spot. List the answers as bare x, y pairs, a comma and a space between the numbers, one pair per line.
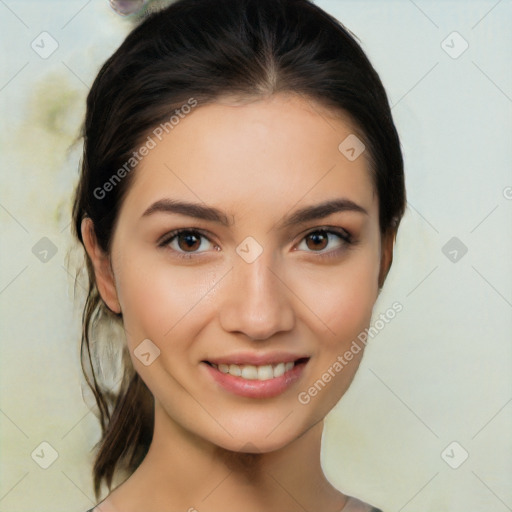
258, 162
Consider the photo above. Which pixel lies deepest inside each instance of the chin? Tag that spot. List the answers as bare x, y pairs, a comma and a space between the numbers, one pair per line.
260, 433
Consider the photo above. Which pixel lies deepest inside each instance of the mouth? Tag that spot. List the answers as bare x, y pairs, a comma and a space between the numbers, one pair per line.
256, 380
258, 372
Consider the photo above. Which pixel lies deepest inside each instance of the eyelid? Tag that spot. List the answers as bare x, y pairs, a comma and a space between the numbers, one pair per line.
337, 230
169, 235
345, 237
165, 240
346, 240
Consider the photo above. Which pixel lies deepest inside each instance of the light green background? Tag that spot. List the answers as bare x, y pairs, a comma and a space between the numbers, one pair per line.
439, 372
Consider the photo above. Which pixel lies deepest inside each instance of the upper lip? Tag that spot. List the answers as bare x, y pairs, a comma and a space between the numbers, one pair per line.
257, 359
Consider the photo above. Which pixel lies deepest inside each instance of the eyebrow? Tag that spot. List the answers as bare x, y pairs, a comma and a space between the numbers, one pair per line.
209, 213
319, 211
195, 210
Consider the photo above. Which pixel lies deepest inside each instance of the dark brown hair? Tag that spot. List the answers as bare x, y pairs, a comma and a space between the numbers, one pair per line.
207, 49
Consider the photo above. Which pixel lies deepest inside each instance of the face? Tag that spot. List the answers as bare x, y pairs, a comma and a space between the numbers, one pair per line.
248, 251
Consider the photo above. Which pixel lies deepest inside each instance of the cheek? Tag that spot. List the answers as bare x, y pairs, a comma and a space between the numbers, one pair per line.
360, 291
155, 298
343, 299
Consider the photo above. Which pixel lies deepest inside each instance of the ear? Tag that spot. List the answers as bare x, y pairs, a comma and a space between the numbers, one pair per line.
104, 275
387, 243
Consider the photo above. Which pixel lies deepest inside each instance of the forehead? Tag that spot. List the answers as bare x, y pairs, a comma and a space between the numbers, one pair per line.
260, 156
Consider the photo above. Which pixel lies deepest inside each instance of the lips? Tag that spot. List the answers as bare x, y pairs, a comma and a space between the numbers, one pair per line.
256, 376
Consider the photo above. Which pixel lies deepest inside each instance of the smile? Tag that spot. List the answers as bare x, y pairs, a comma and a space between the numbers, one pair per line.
251, 372
265, 380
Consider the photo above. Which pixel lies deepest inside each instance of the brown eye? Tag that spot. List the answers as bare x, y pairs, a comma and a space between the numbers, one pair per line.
326, 241
317, 241
188, 241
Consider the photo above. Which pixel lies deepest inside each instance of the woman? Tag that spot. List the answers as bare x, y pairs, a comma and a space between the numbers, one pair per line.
241, 190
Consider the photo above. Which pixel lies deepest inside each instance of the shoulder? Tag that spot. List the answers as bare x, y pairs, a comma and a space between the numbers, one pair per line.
352, 505
355, 505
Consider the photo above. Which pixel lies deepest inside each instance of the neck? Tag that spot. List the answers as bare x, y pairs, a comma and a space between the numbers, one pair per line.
184, 472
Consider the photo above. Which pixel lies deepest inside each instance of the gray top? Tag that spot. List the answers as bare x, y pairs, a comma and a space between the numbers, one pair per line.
352, 505
355, 505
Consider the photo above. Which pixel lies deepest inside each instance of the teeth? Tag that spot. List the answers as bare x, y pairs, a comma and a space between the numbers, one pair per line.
265, 372
279, 369
251, 372
235, 370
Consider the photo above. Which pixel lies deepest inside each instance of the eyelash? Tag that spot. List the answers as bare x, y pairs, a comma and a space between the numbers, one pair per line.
345, 237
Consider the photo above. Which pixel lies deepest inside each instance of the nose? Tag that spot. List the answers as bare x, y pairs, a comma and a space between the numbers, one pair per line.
256, 301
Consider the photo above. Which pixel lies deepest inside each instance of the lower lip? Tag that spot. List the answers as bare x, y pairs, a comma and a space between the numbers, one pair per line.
256, 388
